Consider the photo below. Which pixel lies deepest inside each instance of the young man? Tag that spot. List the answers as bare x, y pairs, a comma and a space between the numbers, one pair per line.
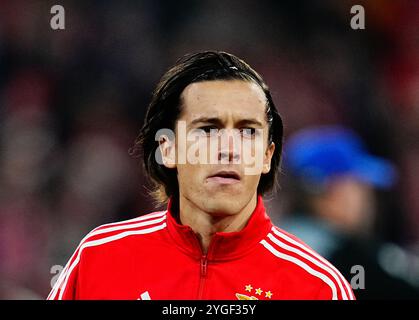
211, 143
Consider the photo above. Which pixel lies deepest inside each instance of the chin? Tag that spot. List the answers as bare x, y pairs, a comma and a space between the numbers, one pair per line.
221, 204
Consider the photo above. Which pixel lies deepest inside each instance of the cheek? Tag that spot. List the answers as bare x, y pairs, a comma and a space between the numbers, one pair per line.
189, 176
184, 173
251, 182
253, 156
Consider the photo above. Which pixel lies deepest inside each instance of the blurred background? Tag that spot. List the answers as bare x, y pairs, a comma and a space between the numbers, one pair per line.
72, 102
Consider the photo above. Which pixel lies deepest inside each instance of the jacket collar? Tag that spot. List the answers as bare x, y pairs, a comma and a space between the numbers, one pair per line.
224, 245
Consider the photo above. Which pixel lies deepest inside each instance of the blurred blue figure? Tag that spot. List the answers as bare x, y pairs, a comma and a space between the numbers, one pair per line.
323, 153
331, 181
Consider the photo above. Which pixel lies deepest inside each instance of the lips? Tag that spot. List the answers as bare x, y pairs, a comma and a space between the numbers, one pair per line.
224, 177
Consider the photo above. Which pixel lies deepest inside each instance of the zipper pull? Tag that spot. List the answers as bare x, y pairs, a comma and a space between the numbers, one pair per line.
204, 264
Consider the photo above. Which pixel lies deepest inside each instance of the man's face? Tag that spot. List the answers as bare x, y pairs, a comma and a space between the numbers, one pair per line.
222, 117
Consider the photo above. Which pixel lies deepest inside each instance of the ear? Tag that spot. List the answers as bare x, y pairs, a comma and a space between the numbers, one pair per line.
168, 151
267, 158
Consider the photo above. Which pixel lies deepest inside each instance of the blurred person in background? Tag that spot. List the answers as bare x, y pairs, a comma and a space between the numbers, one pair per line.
331, 180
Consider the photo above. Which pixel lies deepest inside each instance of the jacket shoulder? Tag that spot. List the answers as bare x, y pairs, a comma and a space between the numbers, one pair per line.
304, 267
103, 246
116, 231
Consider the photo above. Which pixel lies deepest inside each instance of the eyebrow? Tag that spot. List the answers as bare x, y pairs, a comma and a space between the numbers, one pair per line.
217, 121
205, 120
250, 121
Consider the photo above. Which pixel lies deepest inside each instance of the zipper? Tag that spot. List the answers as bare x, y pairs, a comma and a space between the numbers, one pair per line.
203, 275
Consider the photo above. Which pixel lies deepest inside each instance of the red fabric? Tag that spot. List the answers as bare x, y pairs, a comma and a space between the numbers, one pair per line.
155, 257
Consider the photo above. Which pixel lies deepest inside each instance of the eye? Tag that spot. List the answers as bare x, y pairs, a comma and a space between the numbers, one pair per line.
207, 129
248, 132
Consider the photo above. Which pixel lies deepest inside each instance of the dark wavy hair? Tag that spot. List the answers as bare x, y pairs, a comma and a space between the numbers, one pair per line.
165, 107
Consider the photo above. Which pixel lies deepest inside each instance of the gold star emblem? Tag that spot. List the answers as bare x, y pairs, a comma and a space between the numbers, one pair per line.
249, 288
240, 296
259, 291
268, 294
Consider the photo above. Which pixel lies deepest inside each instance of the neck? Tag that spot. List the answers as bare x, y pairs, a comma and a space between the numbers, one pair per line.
206, 224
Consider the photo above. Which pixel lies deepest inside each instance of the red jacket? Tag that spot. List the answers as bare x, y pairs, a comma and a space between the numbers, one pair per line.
154, 257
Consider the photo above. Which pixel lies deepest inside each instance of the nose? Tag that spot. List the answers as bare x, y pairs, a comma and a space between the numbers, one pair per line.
229, 146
